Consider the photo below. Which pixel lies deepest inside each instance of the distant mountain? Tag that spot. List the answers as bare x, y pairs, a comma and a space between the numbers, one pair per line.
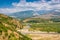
31, 13
22, 14
48, 15
9, 27
27, 14
41, 12
52, 14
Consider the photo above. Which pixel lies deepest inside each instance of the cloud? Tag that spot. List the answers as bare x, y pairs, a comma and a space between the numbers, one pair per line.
35, 6
57, 10
8, 10
11, 10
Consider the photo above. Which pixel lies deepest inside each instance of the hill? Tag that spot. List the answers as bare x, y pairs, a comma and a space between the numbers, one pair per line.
9, 27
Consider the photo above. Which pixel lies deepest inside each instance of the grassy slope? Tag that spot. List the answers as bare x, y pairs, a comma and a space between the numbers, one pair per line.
9, 27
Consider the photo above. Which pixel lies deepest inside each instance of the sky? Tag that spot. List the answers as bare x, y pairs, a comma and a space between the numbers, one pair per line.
8, 3
11, 6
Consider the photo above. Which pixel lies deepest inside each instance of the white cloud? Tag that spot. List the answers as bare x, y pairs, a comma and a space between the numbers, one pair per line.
57, 10
8, 10
57, 6
11, 10
36, 6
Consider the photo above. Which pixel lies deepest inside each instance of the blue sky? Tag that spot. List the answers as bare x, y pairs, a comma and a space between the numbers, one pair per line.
11, 6
8, 3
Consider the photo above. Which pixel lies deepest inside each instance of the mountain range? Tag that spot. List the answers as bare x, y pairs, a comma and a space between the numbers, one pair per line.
31, 13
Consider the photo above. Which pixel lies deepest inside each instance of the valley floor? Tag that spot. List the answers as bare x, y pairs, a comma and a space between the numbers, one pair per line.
38, 35
44, 36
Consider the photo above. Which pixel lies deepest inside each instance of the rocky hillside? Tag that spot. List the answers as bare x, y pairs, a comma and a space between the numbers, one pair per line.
9, 27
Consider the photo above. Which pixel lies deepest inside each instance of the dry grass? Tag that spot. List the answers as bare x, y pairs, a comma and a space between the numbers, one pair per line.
44, 36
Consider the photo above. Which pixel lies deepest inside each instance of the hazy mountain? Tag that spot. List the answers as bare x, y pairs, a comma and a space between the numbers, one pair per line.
31, 13
27, 14
48, 15
22, 14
